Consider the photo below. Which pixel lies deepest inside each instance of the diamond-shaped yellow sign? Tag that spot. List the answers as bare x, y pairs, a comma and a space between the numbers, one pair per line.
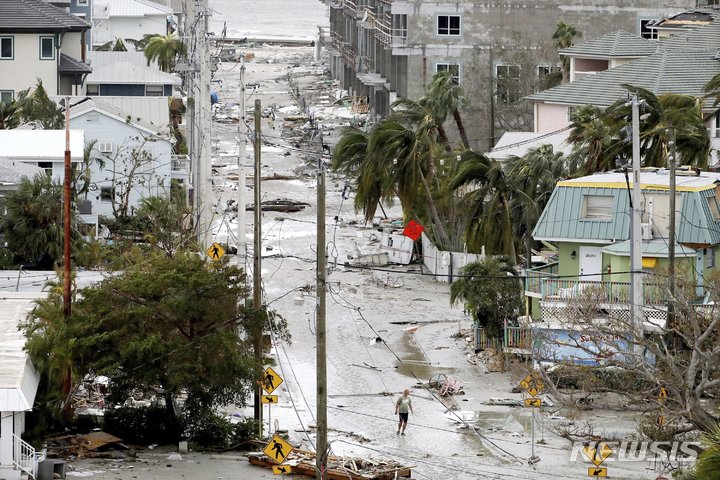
277, 449
597, 453
216, 251
270, 380
532, 384
662, 395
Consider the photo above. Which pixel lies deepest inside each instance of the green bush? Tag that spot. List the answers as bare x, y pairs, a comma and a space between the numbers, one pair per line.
143, 425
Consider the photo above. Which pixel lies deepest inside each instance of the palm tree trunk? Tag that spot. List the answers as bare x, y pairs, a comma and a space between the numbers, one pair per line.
461, 128
442, 136
438, 226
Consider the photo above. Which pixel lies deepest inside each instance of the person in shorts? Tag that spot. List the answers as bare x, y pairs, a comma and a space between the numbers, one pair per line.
403, 408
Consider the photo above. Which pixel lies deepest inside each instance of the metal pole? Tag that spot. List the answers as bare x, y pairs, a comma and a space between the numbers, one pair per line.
257, 263
242, 134
321, 367
67, 212
671, 236
636, 285
532, 436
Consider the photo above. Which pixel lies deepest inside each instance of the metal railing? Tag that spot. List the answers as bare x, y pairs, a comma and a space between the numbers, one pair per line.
347, 51
180, 163
24, 456
367, 64
534, 276
605, 292
350, 8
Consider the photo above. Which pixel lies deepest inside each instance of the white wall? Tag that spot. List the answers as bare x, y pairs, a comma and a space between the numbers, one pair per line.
156, 177
550, 117
128, 27
22, 72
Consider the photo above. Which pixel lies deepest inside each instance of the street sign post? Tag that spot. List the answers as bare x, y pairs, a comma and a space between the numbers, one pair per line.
282, 469
533, 385
215, 252
269, 399
597, 453
270, 380
277, 449
597, 472
533, 402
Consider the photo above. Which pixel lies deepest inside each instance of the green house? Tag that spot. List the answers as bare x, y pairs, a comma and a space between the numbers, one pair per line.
588, 219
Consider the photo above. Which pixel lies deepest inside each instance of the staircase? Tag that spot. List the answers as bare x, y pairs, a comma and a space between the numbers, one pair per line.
25, 458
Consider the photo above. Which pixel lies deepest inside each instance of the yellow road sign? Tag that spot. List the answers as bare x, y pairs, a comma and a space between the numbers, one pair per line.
216, 251
597, 472
270, 380
662, 395
661, 420
269, 399
281, 469
597, 453
533, 402
532, 384
277, 449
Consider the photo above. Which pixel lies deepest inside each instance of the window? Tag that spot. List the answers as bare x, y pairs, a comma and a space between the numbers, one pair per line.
453, 68
448, 25
6, 48
153, 90
93, 90
7, 96
646, 31
47, 166
82, 3
107, 193
709, 254
714, 208
47, 48
597, 207
570, 112
508, 83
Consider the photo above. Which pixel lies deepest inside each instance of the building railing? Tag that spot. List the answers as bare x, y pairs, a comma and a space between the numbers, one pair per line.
367, 64
180, 163
534, 276
350, 8
24, 456
518, 337
344, 49
604, 292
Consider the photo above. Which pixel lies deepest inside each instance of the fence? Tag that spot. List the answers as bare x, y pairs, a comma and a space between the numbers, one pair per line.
445, 265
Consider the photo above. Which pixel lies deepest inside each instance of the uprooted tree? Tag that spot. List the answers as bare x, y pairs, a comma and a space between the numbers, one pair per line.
679, 356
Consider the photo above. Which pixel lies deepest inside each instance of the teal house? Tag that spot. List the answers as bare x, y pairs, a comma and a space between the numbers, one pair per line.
588, 220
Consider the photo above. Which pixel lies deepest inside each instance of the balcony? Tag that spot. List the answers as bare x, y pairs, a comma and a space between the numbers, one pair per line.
534, 276
344, 49
565, 290
180, 164
350, 8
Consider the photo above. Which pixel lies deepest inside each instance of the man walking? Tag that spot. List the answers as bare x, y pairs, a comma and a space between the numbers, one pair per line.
403, 407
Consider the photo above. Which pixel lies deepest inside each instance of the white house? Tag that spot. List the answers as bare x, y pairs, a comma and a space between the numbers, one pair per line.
128, 74
39, 40
113, 19
18, 385
42, 148
137, 155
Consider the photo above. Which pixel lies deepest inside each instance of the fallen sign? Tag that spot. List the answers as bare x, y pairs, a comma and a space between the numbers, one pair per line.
303, 463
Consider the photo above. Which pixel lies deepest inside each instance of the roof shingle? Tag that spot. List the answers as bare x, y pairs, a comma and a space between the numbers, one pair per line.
37, 15
620, 44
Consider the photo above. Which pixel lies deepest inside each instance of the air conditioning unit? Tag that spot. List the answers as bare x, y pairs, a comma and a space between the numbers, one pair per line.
105, 147
646, 231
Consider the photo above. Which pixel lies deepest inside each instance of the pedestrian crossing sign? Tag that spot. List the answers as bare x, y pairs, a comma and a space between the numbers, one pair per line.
270, 380
277, 449
216, 251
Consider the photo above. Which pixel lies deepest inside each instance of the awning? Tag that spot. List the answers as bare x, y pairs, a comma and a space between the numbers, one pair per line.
655, 248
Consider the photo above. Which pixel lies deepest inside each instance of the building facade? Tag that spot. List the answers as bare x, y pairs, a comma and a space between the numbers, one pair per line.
384, 50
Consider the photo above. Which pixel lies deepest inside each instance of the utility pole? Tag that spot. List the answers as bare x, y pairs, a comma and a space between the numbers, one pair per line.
67, 211
636, 283
671, 236
242, 147
321, 351
257, 264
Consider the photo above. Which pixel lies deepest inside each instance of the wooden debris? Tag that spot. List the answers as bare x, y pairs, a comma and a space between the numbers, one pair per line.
279, 205
303, 463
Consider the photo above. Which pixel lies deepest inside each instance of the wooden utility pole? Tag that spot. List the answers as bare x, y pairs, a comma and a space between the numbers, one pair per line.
242, 151
257, 264
321, 359
67, 212
636, 284
671, 236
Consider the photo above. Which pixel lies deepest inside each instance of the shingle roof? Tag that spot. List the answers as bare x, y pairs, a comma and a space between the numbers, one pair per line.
619, 44
669, 71
701, 38
37, 15
70, 65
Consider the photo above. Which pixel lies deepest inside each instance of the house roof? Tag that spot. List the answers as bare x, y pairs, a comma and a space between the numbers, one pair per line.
124, 72
137, 8
668, 71
98, 58
518, 143
18, 378
689, 19
153, 110
657, 247
620, 44
70, 65
12, 171
95, 104
34, 145
700, 38
37, 15
563, 217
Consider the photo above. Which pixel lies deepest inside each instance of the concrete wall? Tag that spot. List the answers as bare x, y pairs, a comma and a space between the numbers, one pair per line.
154, 182
491, 34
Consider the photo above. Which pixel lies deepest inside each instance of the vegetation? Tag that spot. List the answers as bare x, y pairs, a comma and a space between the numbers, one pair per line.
564, 37
165, 50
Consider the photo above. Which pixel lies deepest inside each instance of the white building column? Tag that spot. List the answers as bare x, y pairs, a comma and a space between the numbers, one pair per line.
6, 440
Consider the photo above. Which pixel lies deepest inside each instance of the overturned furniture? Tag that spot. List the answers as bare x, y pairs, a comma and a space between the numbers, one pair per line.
338, 468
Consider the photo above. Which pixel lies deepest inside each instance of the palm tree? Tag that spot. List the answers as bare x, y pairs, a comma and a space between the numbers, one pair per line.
592, 137
9, 115
563, 38
447, 97
712, 89
707, 466
117, 45
165, 49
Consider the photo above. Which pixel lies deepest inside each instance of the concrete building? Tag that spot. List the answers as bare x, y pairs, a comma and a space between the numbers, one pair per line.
113, 19
383, 50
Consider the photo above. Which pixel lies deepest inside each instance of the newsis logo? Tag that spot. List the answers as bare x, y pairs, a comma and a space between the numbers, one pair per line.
634, 451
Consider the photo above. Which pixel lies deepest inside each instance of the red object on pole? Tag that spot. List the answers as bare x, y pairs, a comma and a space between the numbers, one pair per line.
413, 230
67, 200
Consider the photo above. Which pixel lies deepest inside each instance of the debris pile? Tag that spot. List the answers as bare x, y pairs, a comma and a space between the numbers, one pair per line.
90, 445
338, 468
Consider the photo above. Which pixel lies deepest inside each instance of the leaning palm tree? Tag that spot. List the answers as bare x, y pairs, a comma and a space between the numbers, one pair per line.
9, 115
707, 466
165, 49
447, 96
591, 135
563, 38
